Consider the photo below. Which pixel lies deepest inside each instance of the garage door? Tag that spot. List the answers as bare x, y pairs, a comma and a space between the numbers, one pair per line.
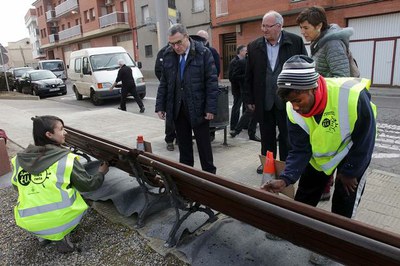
375, 46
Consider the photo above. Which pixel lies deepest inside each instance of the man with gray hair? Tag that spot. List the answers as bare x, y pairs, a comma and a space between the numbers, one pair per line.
265, 58
128, 86
188, 93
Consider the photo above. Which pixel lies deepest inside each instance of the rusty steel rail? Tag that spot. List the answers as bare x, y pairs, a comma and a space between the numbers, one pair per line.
342, 239
123, 158
116, 154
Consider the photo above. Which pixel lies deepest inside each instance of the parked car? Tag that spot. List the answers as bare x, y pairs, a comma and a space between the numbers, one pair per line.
16, 74
42, 83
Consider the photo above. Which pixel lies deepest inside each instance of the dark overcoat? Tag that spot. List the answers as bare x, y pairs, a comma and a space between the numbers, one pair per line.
255, 87
199, 85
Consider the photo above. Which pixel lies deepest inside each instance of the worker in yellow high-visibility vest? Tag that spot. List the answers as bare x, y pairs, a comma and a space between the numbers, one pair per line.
48, 178
331, 126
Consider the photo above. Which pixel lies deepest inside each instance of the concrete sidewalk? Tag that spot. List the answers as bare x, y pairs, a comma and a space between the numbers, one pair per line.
237, 161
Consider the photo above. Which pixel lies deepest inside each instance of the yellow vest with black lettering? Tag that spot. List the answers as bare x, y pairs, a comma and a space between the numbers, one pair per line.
48, 206
330, 139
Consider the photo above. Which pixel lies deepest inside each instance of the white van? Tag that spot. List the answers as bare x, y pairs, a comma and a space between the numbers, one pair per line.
92, 71
56, 66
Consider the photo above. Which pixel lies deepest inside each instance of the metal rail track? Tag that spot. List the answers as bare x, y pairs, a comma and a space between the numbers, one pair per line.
344, 240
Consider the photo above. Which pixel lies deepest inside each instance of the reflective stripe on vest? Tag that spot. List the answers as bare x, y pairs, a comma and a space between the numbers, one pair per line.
61, 228
65, 202
345, 123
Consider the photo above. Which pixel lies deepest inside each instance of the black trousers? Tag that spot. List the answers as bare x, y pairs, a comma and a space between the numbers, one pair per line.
124, 95
237, 103
271, 119
170, 133
202, 136
247, 120
312, 184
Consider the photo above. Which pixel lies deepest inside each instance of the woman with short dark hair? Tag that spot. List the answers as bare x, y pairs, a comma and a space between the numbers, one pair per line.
48, 178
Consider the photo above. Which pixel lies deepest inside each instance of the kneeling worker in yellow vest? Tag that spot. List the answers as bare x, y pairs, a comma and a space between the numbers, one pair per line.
48, 178
331, 125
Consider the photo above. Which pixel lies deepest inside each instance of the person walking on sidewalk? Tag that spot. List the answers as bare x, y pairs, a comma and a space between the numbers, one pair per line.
170, 134
332, 126
128, 86
265, 58
48, 178
237, 70
329, 45
188, 93
236, 78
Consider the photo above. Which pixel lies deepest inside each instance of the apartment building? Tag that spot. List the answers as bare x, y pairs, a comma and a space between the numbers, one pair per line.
20, 53
194, 14
68, 25
32, 26
375, 44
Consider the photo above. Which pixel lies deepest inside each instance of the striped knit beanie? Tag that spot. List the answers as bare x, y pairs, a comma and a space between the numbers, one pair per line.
298, 73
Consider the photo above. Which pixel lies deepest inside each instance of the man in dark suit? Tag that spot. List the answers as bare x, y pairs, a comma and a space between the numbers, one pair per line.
188, 93
237, 70
266, 56
128, 86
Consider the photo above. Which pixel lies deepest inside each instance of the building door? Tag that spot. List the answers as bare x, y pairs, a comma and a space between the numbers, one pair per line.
228, 52
375, 47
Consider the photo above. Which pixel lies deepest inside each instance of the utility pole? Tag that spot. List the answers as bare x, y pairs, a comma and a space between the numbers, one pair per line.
162, 22
22, 54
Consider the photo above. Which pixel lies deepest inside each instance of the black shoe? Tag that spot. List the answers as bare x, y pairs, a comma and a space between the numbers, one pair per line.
170, 146
260, 169
65, 245
212, 137
234, 133
44, 242
255, 138
142, 109
119, 108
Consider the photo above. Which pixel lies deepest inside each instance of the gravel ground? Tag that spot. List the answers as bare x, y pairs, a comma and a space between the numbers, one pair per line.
100, 241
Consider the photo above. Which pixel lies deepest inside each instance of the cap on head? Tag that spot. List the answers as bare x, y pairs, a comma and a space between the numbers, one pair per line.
121, 62
298, 73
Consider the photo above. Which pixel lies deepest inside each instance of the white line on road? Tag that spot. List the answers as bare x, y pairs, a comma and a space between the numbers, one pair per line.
385, 155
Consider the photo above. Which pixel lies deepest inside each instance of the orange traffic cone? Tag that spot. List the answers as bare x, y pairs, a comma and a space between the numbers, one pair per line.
269, 168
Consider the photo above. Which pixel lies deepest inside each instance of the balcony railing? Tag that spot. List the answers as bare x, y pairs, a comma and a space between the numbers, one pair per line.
113, 18
69, 33
50, 15
53, 38
65, 7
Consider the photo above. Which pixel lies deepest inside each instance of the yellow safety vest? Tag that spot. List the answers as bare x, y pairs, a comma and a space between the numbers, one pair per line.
330, 139
48, 206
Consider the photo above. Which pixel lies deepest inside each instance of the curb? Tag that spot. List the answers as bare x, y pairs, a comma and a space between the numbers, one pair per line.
13, 95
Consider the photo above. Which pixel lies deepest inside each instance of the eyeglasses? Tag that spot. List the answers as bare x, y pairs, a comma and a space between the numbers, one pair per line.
269, 26
179, 43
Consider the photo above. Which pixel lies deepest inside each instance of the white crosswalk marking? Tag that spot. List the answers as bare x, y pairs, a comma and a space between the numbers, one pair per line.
388, 140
